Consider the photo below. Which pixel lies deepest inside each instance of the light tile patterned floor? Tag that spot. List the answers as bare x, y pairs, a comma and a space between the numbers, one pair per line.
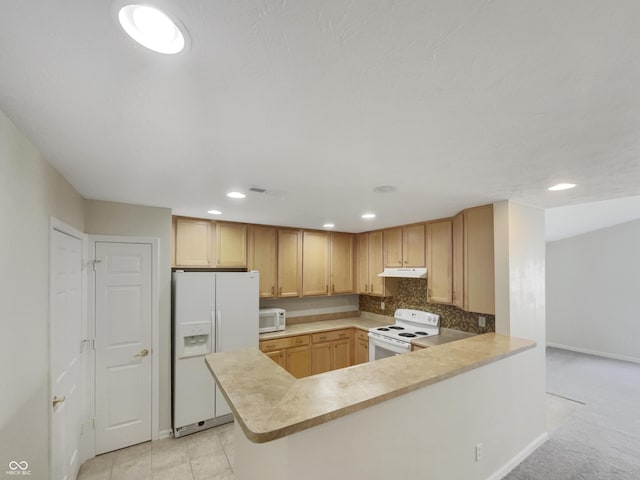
207, 455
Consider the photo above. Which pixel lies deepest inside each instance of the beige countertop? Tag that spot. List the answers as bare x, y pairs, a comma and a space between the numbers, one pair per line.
324, 326
269, 403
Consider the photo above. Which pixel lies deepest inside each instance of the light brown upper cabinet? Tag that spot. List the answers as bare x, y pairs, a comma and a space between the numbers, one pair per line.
231, 244
193, 242
479, 273
457, 295
439, 261
405, 246
342, 258
263, 257
362, 263
393, 247
315, 263
370, 263
289, 263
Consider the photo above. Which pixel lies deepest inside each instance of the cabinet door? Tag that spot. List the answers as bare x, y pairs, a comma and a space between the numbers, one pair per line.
413, 248
231, 244
376, 264
299, 361
361, 354
342, 353
193, 242
393, 247
315, 263
341, 263
278, 356
263, 252
362, 264
321, 357
479, 290
289, 263
458, 263
440, 260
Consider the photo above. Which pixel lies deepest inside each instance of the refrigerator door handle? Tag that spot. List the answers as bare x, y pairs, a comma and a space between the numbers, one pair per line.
218, 320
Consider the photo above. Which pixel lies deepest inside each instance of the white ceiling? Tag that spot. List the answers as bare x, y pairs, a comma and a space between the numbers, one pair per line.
456, 103
564, 222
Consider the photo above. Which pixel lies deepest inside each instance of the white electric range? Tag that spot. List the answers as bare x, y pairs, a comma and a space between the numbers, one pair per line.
396, 339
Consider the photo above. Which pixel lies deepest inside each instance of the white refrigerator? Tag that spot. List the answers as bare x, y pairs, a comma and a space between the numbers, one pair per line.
212, 312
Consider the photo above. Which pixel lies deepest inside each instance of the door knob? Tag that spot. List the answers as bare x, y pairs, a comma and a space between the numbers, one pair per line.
143, 353
57, 400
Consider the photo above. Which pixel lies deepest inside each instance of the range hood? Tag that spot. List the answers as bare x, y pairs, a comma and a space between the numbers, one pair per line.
404, 273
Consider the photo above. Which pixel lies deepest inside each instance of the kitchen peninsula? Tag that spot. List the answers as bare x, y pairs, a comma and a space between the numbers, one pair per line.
424, 411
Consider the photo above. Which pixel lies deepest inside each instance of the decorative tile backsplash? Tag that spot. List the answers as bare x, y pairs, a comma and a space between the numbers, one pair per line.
412, 293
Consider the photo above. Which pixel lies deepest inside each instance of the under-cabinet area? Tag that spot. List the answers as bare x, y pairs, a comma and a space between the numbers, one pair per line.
457, 253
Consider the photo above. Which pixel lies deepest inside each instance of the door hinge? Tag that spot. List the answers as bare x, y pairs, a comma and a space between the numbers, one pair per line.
93, 422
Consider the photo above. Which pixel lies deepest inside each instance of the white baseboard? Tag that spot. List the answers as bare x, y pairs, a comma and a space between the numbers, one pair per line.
594, 352
519, 457
164, 434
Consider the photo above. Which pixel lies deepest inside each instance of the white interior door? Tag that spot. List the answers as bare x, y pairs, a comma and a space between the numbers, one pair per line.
66, 354
123, 316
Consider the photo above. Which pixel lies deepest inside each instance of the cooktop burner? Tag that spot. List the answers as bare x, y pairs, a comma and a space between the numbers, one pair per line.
409, 325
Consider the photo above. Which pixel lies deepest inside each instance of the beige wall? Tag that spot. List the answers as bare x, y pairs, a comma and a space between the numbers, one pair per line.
108, 218
30, 192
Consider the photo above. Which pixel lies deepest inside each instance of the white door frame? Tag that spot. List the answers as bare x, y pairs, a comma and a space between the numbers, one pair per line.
62, 227
155, 323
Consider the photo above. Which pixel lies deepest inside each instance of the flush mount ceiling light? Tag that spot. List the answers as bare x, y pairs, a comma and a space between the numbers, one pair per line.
236, 195
385, 189
214, 212
368, 216
328, 225
562, 186
152, 28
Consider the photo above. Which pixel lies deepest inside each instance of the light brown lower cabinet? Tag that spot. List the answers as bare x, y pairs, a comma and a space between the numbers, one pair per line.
416, 347
291, 353
361, 350
331, 350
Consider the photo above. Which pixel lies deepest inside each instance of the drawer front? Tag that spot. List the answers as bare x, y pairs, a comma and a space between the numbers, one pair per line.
280, 343
362, 335
331, 335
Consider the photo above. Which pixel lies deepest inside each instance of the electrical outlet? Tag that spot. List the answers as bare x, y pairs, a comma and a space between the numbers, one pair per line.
482, 321
382, 305
478, 452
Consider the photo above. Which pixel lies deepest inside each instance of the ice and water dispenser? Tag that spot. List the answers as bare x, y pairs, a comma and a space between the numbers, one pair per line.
194, 339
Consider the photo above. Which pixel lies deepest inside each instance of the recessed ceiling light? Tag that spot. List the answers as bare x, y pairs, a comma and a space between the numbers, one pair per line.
328, 225
562, 186
368, 216
214, 212
151, 28
236, 195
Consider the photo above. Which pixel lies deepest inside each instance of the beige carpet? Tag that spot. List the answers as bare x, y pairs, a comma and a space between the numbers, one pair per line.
599, 440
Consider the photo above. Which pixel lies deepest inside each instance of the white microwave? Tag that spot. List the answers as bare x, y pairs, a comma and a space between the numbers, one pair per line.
272, 319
